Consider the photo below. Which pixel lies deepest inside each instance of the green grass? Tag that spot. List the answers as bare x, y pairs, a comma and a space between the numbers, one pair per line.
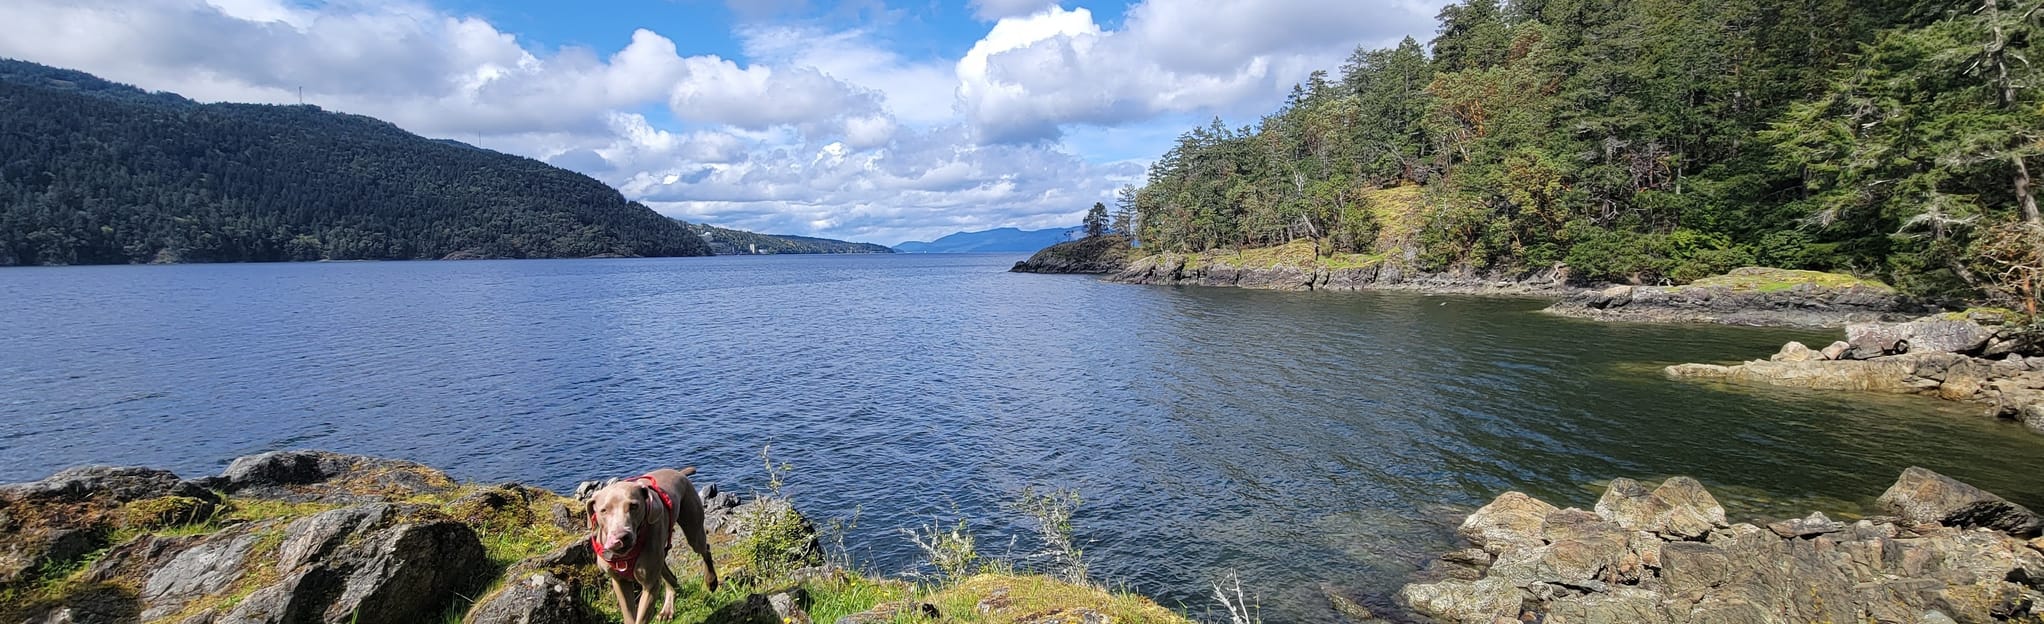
763, 563
1762, 279
1299, 253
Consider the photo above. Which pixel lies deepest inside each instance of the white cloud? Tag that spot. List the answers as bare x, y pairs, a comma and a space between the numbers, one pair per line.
919, 92
805, 130
1033, 74
757, 97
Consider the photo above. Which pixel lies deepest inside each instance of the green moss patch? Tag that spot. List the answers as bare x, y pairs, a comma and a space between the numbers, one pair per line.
1030, 598
1763, 279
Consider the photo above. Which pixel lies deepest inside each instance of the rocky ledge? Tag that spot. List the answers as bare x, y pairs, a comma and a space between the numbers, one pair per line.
1299, 266
1089, 256
1969, 357
1947, 552
1753, 296
316, 537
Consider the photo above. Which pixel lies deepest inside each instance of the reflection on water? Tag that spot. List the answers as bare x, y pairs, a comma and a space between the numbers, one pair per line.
1310, 442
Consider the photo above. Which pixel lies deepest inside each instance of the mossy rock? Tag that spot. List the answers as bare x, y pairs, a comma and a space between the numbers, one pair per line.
164, 512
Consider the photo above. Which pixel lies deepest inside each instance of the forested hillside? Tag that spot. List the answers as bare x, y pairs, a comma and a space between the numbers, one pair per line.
1650, 141
93, 172
726, 241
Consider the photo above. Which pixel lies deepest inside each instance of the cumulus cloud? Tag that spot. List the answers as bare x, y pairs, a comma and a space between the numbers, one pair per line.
917, 91
757, 97
804, 130
926, 183
427, 71
1033, 74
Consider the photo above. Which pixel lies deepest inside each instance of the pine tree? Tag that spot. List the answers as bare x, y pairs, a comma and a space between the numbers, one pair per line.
1096, 220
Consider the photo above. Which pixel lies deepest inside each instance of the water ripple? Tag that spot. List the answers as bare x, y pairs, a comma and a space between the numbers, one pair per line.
1307, 441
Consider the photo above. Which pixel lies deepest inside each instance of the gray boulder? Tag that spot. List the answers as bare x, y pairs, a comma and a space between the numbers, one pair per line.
538, 598
1922, 496
1466, 602
1680, 507
1815, 524
94, 500
1795, 352
1512, 520
1836, 350
1922, 336
1807, 570
105, 484
370, 563
204, 569
328, 477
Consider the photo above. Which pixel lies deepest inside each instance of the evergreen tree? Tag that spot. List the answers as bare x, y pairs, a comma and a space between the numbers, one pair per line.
93, 172
1096, 220
1125, 210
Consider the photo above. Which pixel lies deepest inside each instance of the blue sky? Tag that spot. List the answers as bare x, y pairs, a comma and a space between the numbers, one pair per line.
873, 120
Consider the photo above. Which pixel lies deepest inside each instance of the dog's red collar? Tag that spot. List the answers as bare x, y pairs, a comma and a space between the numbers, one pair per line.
625, 564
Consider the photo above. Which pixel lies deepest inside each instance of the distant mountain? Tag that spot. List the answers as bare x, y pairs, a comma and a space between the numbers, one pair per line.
96, 172
996, 240
729, 242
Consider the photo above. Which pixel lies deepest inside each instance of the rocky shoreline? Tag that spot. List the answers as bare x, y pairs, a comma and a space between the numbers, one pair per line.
1973, 358
1089, 256
1945, 552
317, 537
311, 536
1224, 269
1751, 296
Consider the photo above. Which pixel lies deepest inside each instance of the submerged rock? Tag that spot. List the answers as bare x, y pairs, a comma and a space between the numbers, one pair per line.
1685, 564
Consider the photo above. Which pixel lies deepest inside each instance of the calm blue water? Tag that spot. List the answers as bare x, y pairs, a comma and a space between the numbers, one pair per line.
1310, 442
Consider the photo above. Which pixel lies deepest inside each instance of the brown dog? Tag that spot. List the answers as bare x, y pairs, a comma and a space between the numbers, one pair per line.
632, 523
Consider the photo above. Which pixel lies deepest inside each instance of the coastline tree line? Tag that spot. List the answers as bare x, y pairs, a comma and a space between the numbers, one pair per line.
94, 172
1650, 141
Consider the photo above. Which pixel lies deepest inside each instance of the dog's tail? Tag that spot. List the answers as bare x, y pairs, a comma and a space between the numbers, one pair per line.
688, 471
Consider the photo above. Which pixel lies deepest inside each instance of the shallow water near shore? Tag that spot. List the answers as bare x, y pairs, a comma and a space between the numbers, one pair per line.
1308, 442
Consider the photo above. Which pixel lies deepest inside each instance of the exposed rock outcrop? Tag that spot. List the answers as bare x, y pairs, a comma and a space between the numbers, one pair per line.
1935, 356
539, 598
75, 511
1750, 296
321, 476
310, 537
1096, 255
323, 556
1926, 497
1299, 267
1668, 556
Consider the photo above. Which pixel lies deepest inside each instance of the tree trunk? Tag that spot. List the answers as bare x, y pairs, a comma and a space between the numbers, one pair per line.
2023, 197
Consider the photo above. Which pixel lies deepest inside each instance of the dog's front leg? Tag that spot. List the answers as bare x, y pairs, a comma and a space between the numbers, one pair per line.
673, 585
624, 607
645, 599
